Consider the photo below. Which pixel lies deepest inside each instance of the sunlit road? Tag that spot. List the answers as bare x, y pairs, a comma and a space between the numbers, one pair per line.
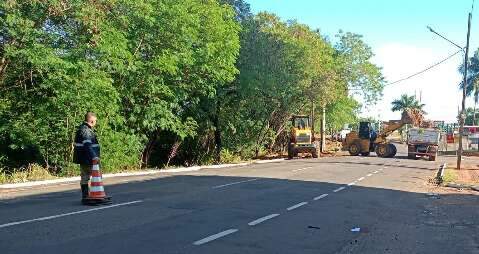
297, 206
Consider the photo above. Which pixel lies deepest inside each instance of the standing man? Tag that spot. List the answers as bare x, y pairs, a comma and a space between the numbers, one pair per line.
87, 151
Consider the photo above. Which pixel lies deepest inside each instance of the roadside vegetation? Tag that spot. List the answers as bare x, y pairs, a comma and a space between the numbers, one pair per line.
173, 82
450, 176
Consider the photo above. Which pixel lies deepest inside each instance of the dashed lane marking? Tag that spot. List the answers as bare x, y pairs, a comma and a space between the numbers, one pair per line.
68, 214
296, 206
339, 189
369, 174
320, 197
263, 219
229, 184
360, 179
351, 184
216, 236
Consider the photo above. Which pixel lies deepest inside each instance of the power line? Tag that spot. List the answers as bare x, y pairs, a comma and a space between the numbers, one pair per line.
425, 70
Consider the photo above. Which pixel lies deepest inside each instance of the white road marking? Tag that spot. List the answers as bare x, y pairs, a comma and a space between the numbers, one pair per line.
320, 197
375, 172
351, 184
360, 179
296, 206
339, 189
300, 169
369, 174
265, 218
229, 184
68, 214
216, 236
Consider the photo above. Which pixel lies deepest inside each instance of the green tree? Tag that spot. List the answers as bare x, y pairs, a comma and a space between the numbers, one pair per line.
142, 66
472, 88
471, 116
362, 76
407, 102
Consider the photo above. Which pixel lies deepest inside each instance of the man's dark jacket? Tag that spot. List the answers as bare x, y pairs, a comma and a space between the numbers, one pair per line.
86, 145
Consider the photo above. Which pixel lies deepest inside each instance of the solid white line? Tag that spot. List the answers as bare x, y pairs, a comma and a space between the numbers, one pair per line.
320, 197
296, 206
214, 237
68, 214
360, 179
265, 218
229, 184
369, 174
300, 169
339, 189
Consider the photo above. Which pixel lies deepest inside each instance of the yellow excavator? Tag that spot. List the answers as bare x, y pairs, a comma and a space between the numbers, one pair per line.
366, 140
301, 139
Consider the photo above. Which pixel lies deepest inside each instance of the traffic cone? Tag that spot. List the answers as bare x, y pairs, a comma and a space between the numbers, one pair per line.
97, 195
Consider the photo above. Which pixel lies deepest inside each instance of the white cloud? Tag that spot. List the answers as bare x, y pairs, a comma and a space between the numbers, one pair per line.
438, 86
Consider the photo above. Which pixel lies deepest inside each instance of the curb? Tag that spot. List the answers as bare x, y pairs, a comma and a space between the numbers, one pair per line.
139, 173
463, 186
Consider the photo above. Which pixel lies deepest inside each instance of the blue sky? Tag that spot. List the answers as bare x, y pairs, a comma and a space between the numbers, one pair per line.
396, 31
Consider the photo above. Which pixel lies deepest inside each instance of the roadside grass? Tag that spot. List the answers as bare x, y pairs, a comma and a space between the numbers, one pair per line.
34, 172
450, 176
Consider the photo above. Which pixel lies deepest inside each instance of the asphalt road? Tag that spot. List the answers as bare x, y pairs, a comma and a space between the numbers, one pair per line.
297, 206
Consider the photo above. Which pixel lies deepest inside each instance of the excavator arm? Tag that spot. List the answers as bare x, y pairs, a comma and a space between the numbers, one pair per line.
409, 116
389, 128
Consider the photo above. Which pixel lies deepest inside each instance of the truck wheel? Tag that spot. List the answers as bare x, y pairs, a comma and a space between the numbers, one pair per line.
382, 150
392, 150
411, 149
355, 149
315, 153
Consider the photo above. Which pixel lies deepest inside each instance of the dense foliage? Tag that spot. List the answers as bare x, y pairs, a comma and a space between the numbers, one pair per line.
172, 81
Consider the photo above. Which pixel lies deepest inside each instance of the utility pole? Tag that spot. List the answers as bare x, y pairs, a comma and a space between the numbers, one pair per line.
462, 116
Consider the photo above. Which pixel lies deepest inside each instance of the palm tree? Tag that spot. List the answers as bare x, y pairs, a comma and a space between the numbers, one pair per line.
472, 87
407, 102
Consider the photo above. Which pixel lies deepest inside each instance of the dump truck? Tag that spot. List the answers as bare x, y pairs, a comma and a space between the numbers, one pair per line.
423, 142
301, 138
366, 140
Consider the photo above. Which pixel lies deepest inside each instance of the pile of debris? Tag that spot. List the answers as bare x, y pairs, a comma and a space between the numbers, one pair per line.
416, 118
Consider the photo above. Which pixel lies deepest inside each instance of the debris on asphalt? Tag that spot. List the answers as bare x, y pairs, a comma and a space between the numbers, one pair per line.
355, 229
433, 195
313, 227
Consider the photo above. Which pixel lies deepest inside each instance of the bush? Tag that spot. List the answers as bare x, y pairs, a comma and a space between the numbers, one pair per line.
228, 157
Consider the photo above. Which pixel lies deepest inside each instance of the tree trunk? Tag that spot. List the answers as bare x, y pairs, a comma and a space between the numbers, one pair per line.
173, 151
474, 113
145, 158
216, 123
323, 129
312, 118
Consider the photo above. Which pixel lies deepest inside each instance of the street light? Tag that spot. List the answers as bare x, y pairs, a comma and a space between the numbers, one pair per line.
462, 116
440, 35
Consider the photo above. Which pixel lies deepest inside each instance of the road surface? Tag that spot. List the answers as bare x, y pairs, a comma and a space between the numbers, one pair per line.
325, 205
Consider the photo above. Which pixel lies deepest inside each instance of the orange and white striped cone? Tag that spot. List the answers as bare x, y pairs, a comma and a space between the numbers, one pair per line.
97, 193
